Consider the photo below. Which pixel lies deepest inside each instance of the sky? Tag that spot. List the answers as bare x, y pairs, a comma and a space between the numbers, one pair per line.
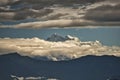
78, 28
58, 13
66, 44
22, 23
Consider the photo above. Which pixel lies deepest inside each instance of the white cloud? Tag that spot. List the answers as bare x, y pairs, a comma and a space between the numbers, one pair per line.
56, 51
7, 15
31, 78
51, 23
61, 23
103, 3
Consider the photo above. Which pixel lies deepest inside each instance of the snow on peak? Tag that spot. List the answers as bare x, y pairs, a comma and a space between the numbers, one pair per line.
56, 38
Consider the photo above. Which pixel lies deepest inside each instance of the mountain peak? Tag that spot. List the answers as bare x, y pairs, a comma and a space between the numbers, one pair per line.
56, 38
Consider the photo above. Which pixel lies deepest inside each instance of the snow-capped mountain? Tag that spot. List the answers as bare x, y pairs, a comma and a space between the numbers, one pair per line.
56, 37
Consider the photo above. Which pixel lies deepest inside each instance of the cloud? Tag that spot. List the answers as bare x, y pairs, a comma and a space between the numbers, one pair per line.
23, 14
35, 9
55, 51
60, 23
50, 23
59, 14
104, 13
31, 78
62, 2
38, 4
6, 2
55, 16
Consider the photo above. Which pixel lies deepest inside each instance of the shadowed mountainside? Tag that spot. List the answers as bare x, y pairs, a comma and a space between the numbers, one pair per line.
85, 68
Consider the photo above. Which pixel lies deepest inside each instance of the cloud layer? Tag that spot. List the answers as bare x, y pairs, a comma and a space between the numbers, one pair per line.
81, 13
51, 23
104, 13
55, 51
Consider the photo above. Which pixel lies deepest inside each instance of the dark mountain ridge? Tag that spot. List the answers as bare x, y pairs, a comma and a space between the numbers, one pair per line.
84, 68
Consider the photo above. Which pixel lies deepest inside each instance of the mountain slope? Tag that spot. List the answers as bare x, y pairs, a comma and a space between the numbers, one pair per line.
85, 68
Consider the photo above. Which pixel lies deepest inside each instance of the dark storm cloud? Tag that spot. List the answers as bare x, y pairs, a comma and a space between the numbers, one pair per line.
55, 16
62, 2
60, 13
46, 2
103, 13
23, 14
33, 8
8, 2
31, 13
